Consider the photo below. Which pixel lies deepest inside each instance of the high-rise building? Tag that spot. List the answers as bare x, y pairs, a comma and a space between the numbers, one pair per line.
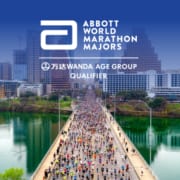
60, 78
9, 87
166, 84
53, 79
5, 71
34, 51
124, 82
143, 49
20, 65
36, 89
107, 58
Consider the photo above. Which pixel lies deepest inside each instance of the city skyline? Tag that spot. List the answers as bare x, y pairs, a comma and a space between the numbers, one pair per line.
160, 19
165, 44
47, 96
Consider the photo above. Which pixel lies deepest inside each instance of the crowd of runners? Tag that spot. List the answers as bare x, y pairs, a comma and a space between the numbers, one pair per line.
89, 151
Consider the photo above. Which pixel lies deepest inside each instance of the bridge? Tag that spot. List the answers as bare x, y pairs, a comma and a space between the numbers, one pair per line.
90, 146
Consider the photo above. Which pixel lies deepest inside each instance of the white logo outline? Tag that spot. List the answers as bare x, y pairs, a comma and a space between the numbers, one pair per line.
46, 33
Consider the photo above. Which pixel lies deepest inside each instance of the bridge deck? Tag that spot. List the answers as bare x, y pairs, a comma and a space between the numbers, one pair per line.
46, 161
140, 166
113, 167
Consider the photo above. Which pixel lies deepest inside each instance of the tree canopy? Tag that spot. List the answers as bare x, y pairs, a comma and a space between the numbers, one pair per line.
133, 94
12, 174
158, 103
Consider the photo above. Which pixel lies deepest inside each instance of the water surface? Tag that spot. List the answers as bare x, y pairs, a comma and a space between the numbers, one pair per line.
162, 149
25, 138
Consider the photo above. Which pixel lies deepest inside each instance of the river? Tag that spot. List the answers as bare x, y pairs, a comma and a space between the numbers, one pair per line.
25, 138
162, 150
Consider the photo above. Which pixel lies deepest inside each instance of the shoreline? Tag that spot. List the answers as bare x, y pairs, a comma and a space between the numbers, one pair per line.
124, 109
156, 114
33, 107
33, 110
138, 108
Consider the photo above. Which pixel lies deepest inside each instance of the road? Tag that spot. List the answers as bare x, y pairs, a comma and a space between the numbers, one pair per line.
88, 148
91, 150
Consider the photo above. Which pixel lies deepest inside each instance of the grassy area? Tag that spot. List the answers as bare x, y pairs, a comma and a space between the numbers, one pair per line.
138, 108
45, 103
65, 104
173, 107
126, 107
35, 104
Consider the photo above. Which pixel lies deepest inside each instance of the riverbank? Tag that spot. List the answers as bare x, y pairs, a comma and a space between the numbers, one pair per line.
35, 105
129, 108
138, 108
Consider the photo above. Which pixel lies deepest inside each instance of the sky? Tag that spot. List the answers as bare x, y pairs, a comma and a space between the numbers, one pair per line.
161, 20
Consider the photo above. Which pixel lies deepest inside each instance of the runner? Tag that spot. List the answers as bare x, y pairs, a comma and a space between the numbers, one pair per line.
89, 151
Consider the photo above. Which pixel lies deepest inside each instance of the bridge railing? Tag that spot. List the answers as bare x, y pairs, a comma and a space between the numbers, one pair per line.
33, 177
131, 144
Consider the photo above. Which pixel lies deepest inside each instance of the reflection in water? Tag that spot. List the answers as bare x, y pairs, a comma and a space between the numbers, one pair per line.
168, 138
38, 140
165, 139
25, 138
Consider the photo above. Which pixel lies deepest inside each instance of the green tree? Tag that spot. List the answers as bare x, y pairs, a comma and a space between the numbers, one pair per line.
158, 103
108, 106
66, 98
28, 94
53, 97
12, 174
134, 94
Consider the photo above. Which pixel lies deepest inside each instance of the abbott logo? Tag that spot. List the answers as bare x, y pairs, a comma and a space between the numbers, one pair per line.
60, 32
